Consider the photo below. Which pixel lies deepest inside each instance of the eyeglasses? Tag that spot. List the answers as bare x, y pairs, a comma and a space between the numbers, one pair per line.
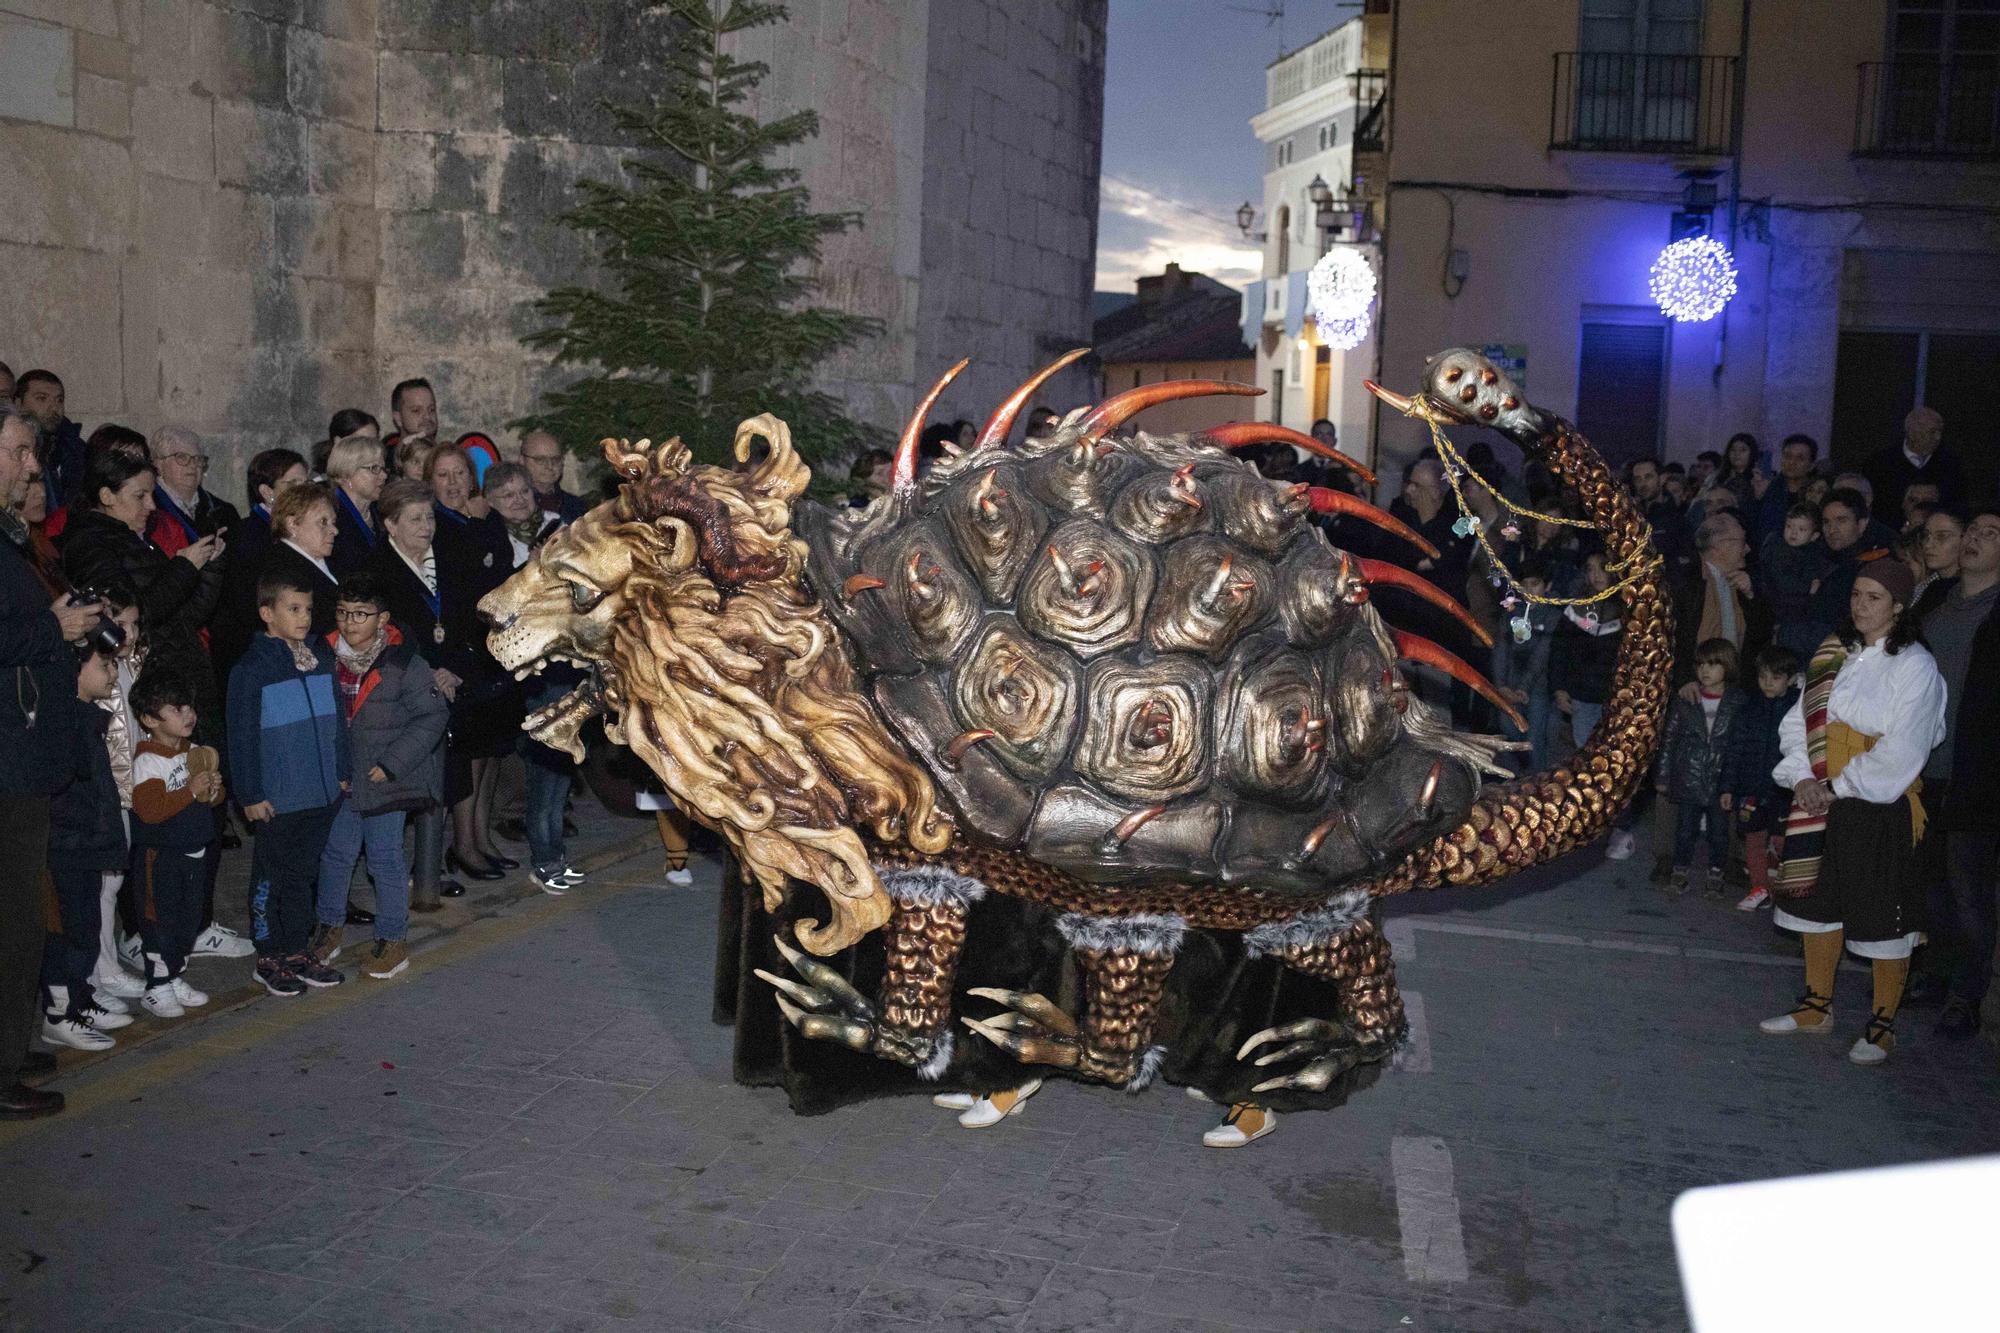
372, 467
199, 460
349, 616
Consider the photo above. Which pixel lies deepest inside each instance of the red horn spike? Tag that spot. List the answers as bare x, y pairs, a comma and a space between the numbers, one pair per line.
1381, 571
1113, 412
1001, 424
905, 475
1236, 434
1325, 500
1416, 648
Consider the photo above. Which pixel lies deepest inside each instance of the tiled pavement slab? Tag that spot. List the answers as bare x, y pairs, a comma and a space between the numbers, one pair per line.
536, 1130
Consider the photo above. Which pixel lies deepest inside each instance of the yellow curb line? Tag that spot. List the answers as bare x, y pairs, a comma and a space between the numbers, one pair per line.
133, 1078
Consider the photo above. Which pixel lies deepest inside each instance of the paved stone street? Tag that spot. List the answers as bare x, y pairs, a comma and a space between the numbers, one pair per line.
535, 1129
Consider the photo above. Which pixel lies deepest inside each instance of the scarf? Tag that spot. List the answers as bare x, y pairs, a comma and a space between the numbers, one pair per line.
303, 656
527, 529
1829, 747
360, 661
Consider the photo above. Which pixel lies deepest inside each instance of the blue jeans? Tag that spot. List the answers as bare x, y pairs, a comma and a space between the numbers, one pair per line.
1689, 817
382, 836
547, 789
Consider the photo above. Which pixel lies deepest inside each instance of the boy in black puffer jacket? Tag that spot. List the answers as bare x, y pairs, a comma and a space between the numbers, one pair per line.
1690, 772
1758, 802
86, 838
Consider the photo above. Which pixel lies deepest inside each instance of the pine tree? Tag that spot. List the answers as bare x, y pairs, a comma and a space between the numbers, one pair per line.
705, 318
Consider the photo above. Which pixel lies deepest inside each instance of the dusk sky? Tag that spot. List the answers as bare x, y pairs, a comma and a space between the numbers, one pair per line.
1183, 79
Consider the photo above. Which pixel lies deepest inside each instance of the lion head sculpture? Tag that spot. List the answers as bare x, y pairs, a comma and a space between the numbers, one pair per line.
681, 597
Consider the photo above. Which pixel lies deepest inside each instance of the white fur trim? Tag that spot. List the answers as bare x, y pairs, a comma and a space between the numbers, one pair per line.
1147, 933
931, 1070
930, 886
1149, 1069
1342, 913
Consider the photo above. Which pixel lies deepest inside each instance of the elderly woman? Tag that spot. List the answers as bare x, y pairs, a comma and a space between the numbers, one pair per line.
464, 517
302, 534
104, 545
511, 493
433, 600
1854, 746
348, 423
354, 466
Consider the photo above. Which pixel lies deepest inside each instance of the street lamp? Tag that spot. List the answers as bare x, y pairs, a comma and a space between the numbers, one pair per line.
1246, 216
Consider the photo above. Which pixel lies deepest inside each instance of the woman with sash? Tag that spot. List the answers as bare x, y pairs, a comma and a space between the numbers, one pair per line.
1854, 746
354, 466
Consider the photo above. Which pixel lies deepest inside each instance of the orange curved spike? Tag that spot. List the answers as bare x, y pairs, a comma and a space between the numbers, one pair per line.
1236, 434
1326, 500
1001, 424
1416, 648
1381, 571
1113, 412
904, 477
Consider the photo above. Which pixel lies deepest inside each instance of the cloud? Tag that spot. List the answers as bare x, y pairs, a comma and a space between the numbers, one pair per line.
1140, 231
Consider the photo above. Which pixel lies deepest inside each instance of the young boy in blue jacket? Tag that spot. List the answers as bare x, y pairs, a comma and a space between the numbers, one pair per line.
289, 766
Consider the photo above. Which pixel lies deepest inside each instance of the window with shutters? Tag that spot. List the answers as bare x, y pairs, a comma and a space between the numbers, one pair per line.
1621, 384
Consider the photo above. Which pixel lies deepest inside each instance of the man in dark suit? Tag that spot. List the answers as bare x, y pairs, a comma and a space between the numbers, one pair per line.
1716, 598
1921, 456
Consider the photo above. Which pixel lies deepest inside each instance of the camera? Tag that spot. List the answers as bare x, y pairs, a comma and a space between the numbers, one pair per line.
107, 635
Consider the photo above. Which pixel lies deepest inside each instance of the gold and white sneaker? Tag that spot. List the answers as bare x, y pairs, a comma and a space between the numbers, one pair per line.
991, 1110
1246, 1123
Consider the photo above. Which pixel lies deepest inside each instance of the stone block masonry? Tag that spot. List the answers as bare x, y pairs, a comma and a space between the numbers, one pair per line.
245, 216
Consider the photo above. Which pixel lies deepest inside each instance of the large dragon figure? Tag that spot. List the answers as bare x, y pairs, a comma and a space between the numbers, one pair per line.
1118, 674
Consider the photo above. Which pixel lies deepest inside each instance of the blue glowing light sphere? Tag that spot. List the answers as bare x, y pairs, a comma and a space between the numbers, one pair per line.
1694, 278
1344, 335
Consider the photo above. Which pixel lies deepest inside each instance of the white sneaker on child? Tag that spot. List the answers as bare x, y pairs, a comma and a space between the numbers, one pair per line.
218, 941
161, 1002
75, 1034
105, 1020
121, 984
110, 1004
132, 952
1620, 846
188, 995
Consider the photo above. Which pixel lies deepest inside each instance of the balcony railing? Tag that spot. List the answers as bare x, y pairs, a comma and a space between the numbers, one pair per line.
1371, 102
1928, 108
1620, 102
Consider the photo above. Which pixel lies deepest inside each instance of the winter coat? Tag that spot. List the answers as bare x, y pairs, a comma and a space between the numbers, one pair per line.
398, 724
1752, 753
354, 541
1970, 804
175, 599
168, 528
1525, 666
86, 828
1785, 575
287, 739
1691, 761
1690, 593
1581, 663
37, 679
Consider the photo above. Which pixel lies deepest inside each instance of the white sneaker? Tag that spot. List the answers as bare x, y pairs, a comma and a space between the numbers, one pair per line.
1620, 847
218, 941
573, 875
955, 1101
992, 1110
1866, 1052
681, 878
132, 953
188, 996
121, 985
552, 883
161, 1002
110, 1004
105, 1020
75, 1034
1247, 1123
1753, 900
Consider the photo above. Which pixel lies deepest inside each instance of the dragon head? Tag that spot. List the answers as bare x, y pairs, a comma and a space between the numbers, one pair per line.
681, 599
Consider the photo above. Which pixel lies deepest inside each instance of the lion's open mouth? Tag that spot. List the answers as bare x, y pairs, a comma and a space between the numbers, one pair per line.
557, 725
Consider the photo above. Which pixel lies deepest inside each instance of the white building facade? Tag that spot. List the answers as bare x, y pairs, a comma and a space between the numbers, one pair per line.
1322, 122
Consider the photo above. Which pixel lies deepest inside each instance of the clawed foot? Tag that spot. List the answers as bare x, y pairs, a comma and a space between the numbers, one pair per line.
828, 1008
1035, 1031
1329, 1050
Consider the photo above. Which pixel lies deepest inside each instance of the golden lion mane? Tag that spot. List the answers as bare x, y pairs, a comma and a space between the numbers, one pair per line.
742, 699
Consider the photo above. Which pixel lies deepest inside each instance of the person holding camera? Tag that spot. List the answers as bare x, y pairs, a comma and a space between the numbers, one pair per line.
37, 713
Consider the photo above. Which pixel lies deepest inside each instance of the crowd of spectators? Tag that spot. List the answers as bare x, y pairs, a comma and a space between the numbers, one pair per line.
311, 674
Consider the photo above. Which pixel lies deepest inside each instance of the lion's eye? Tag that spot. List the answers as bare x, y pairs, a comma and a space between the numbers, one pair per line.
582, 598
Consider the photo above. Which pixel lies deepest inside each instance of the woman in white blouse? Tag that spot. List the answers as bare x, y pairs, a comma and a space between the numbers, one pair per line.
1882, 718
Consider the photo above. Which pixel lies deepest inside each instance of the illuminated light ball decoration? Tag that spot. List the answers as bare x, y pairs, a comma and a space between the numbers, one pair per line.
1694, 278
1340, 287
1346, 334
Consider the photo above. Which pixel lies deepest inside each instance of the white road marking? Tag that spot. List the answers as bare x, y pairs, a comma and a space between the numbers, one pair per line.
1415, 1055
1601, 942
1427, 1210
